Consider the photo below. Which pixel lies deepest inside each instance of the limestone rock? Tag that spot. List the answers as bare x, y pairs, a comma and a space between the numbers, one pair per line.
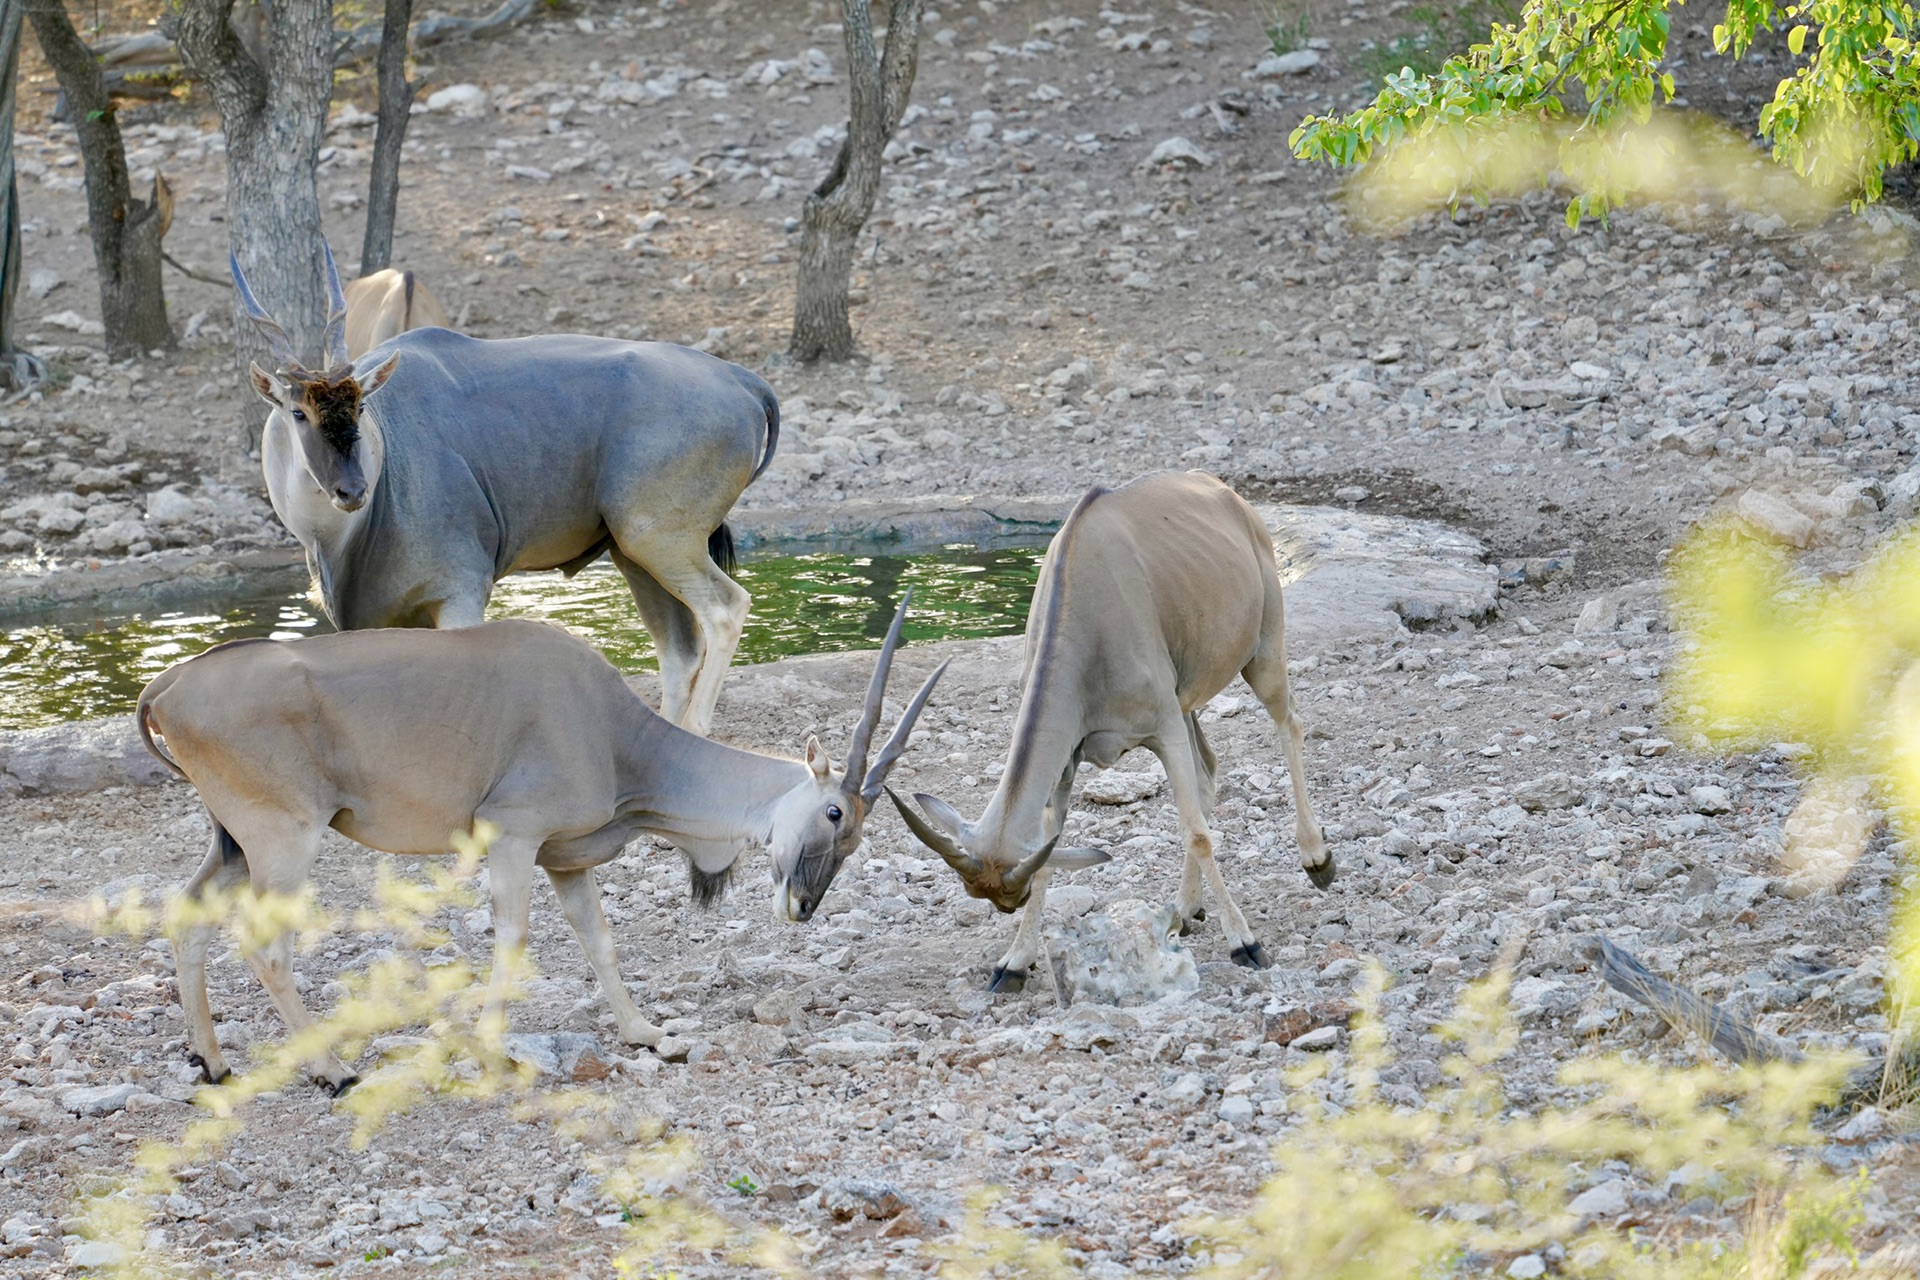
1126, 955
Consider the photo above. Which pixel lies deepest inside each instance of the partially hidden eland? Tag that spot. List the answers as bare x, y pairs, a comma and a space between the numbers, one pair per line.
437, 464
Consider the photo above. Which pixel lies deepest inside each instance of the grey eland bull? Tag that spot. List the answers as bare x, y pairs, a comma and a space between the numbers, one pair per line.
387, 304
439, 464
398, 738
1153, 596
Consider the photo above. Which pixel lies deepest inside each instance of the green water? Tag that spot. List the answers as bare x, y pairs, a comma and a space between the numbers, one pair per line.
820, 603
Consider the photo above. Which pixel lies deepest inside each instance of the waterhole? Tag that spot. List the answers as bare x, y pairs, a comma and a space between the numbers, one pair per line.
813, 603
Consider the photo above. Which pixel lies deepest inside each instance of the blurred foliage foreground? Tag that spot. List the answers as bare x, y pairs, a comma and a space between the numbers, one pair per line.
1849, 111
1467, 1183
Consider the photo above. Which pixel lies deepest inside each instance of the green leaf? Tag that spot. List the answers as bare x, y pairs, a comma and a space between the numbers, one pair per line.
1797, 40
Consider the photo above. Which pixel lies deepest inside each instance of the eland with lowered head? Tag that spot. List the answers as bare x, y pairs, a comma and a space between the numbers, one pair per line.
397, 738
1152, 598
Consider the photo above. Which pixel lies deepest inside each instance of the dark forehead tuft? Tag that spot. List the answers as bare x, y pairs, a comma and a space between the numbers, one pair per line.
335, 407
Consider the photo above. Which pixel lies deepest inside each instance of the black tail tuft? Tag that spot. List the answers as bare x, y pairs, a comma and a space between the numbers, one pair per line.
230, 850
708, 887
721, 551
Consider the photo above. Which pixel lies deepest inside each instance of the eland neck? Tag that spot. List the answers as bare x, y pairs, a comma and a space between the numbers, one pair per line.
697, 793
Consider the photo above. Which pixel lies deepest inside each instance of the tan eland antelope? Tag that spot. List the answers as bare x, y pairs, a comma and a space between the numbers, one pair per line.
386, 304
397, 738
1152, 598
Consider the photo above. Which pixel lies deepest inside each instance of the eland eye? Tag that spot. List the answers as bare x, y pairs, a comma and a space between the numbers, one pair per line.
833, 813
299, 415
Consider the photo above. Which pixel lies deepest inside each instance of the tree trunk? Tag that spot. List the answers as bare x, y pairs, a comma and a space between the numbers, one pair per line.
274, 113
396, 104
126, 231
837, 209
18, 370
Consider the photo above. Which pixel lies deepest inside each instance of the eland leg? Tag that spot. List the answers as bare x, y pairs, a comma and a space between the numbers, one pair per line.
1189, 797
676, 638
1266, 674
510, 864
284, 849
718, 607
1011, 973
580, 901
225, 868
1206, 765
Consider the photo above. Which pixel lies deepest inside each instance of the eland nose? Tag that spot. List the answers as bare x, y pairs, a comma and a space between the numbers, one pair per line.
350, 497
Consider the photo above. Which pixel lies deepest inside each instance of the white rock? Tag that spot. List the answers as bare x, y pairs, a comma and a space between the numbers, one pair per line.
1115, 786
1527, 1266
1588, 372
1276, 65
1237, 1111
1552, 791
1126, 955
1775, 518
1318, 1040
170, 506
461, 99
1181, 152
95, 1253
75, 321
1607, 1199
98, 1100
42, 282
1710, 799
1599, 616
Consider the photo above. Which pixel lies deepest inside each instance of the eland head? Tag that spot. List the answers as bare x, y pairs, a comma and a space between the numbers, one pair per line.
819, 823
322, 405
1002, 876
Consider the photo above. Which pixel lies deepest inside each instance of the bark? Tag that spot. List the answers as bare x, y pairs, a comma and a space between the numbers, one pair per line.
19, 371
837, 209
396, 103
126, 231
273, 109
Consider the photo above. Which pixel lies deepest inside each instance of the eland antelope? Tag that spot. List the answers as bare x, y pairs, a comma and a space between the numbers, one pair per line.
439, 464
385, 305
1153, 596
397, 738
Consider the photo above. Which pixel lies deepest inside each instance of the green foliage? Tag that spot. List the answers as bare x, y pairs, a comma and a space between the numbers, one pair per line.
744, 1184
1850, 110
1284, 23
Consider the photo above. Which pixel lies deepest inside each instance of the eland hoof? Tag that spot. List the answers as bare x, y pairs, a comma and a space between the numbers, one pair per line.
1322, 875
340, 1090
1251, 956
1007, 981
206, 1072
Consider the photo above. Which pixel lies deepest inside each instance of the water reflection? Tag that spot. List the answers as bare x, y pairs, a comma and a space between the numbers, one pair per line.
801, 604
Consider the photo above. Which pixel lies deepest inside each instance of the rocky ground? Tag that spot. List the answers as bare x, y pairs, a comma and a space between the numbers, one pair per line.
1044, 304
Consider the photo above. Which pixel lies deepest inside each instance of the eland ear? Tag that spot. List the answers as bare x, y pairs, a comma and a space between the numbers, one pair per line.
378, 378
944, 815
817, 759
1078, 859
268, 387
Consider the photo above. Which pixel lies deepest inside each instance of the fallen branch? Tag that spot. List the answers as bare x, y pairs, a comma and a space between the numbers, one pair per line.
1685, 1009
